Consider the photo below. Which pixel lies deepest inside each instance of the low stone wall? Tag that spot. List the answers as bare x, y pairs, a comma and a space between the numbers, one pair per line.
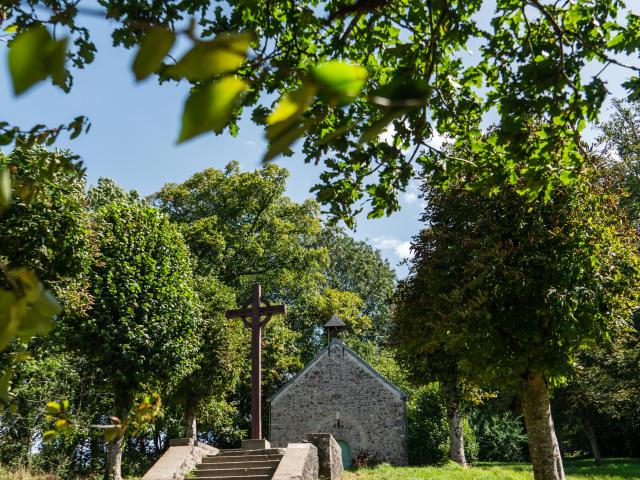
329, 455
178, 460
300, 462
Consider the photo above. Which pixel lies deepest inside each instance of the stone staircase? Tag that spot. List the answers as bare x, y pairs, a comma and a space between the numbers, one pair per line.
240, 464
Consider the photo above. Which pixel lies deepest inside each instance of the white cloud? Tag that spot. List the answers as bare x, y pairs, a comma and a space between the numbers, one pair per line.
437, 140
401, 248
409, 198
388, 135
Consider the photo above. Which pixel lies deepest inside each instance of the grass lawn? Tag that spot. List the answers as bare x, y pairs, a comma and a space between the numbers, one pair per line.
21, 474
613, 469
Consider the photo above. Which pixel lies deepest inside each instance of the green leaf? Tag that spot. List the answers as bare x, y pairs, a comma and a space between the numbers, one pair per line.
5, 187
111, 433
339, 78
154, 47
53, 408
210, 107
47, 305
281, 143
224, 54
61, 424
34, 323
633, 85
616, 40
11, 310
49, 435
402, 93
33, 56
5, 383
376, 128
292, 104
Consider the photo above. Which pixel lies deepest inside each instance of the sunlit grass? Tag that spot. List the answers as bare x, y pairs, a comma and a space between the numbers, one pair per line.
613, 469
24, 474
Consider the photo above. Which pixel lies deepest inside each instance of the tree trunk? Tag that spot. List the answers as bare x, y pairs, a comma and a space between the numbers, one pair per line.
543, 444
452, 398
593, 440
114, 459
113, 464
190, 425
456, 438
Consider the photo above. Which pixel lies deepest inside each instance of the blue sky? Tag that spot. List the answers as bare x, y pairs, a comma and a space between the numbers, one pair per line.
134, 128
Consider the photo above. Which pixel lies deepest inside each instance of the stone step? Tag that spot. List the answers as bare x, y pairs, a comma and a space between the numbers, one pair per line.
235, 472
236, 462
240, 458
239, 452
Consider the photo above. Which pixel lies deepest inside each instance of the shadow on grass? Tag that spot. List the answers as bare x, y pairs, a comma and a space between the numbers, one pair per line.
627, 468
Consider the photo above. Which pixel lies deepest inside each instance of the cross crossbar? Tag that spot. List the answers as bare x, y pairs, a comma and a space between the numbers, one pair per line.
264, 311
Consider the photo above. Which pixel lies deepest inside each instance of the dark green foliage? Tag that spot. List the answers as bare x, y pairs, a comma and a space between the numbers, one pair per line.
144, 310
500, 435
621, 142
428, 436
46, 229
543, 280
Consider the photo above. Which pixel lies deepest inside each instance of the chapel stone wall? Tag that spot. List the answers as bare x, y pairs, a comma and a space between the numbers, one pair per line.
341, 396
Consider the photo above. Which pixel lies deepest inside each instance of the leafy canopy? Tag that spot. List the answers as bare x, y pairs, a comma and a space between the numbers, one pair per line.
516, 288
348, 71
144, 309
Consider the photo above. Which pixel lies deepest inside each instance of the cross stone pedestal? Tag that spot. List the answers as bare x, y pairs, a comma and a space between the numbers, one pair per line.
255, 444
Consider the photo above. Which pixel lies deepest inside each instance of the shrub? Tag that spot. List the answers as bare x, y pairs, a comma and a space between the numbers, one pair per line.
366, 459
500, 436
471, 446
428, 434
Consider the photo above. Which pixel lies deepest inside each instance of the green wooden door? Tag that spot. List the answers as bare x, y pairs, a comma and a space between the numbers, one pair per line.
346, 453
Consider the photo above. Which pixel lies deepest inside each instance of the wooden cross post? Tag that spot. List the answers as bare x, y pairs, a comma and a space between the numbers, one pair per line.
256, 311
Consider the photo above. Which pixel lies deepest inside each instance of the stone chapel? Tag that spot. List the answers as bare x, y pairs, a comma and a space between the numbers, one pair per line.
339, 393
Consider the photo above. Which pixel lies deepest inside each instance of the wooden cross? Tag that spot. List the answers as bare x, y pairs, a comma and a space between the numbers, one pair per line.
256, 311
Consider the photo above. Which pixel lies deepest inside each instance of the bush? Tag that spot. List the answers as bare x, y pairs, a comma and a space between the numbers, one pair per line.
366, 460
428, 435
471, 446
500, 436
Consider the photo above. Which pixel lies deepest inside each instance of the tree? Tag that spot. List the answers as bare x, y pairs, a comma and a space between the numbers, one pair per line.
520, 288
434, 364
354, 266
44, 236
220, 357
605, 392
144, 309
241, 229
404, 65
620, 139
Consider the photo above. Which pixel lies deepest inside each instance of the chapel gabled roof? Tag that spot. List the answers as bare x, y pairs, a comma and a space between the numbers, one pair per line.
357, 357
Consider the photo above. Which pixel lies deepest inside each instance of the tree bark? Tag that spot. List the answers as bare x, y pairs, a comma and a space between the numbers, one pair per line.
452, 398
456, 437
190, 425
593, 440
543, 444
114, 459
113, 464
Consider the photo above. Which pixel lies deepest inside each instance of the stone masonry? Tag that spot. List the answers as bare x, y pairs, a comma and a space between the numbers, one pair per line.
339, 393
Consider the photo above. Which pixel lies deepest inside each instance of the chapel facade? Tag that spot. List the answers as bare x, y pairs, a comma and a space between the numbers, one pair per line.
339, 393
